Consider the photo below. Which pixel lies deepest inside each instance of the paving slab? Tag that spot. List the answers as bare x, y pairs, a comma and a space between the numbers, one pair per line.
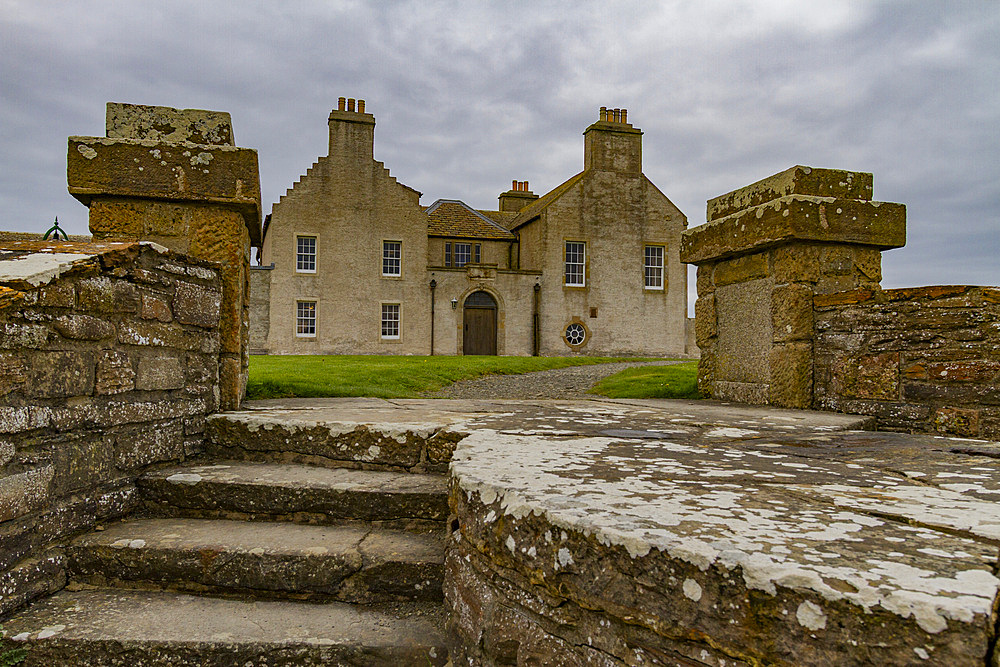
347, 563
262, 491
123, 628
335, 438
426, 417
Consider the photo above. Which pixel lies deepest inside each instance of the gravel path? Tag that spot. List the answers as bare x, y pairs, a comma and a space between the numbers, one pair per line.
571, 382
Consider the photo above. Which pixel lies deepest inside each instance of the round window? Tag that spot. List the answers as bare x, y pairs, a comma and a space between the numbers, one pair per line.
575, 334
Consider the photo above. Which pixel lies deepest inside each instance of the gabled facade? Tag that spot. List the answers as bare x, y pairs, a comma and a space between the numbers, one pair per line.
353, 264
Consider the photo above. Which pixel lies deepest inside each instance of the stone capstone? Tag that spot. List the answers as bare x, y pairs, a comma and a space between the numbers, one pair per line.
197, 126
797, 180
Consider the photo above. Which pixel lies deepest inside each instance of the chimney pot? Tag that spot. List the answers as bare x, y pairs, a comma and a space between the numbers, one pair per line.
618, 115
526, 188
361, 106
340, 103
624, 115
513, 185
350, 104
604, 114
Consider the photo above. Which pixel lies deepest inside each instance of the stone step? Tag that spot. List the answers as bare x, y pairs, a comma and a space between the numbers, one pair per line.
315, 438
347, 563
299, 493
155, 628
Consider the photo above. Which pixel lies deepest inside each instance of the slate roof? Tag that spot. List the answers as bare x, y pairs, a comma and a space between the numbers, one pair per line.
454, 218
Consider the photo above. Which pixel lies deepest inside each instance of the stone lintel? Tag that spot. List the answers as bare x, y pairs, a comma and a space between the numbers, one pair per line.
797, 180
226, 176
790, 218
166, 124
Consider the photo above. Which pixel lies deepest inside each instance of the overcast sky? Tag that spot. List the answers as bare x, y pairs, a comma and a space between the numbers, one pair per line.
468, 96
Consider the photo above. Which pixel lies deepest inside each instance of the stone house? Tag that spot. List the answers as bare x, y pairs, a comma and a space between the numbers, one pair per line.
351, 263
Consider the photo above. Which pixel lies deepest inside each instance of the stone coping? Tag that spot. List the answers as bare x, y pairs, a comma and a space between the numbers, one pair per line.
830, 525
30, 264
796, 218
166, 124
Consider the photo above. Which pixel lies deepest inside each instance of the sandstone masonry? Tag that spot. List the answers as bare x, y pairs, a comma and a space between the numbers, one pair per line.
790, 311
175, 177
357, 265
765, 251
920, 358
109, 362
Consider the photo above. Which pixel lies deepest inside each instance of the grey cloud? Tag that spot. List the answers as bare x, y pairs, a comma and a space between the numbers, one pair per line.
471, 95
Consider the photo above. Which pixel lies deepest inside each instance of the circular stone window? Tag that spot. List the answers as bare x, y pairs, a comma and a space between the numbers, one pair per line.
575, 334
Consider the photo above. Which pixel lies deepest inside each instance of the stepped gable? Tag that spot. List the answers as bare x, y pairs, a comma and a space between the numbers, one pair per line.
454, 218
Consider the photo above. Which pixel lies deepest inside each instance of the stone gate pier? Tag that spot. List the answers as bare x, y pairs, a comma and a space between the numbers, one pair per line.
766, 250
176, 177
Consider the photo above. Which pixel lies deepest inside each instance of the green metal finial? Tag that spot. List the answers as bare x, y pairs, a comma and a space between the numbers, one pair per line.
56, 232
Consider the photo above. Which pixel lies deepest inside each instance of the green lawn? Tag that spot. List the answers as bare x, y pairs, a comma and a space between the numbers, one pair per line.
677, 381
314, 376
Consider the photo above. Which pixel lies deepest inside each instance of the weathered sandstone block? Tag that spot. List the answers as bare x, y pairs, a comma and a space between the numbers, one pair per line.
139, 121
794, 181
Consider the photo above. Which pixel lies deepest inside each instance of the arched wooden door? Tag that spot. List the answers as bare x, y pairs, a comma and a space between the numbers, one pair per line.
479, 335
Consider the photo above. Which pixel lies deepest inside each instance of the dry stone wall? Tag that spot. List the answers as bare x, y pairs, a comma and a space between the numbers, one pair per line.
922, 358
109, 363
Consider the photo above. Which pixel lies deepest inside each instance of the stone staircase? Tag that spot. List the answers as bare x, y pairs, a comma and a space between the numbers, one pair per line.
283, 544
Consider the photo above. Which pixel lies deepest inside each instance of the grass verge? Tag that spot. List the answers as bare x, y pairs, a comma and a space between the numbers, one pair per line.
676, 381
316, 376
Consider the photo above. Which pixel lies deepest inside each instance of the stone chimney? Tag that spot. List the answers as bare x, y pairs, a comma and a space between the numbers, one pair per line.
352, 132
517, 197
175, 177
612, 144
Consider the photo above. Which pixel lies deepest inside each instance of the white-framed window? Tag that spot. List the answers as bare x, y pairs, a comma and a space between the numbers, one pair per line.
390, 321
305, 319
463, 254
305, 254
652, 266
576, 262
392, 256
575, 334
